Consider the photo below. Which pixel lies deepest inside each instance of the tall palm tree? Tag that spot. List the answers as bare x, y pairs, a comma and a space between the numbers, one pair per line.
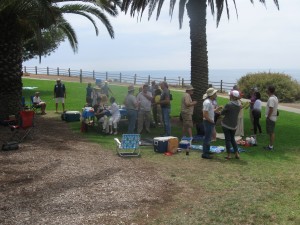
196, 10
24, 19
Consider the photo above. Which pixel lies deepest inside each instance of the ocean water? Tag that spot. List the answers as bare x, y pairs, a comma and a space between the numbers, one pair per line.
215, 75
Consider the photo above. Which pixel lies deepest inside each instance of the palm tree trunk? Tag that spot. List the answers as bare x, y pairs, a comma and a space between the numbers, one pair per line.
10, 67
199, 60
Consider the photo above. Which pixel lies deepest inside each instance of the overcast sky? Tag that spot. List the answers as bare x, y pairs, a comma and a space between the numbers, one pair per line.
261, 37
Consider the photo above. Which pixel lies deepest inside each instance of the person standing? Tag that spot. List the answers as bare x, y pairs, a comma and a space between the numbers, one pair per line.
256, 112
105, 89
144, 113
187, 110
60, 94
165, 107
229, 123
240, 123
89, 91
271, 116
131, 105
252, 100
208, 120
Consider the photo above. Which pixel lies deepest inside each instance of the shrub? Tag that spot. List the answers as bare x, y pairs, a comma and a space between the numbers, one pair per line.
286, 88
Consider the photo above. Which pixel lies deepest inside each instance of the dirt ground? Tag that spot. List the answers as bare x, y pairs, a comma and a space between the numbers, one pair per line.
58, 177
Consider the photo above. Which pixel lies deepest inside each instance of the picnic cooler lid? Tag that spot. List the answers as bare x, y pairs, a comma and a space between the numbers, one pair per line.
164, 144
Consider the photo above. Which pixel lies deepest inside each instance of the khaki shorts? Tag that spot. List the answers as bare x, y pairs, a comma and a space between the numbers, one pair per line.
187, 120
270, 126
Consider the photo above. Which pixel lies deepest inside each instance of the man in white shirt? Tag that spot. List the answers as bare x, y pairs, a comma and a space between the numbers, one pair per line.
271, 116
208, 120
38, 103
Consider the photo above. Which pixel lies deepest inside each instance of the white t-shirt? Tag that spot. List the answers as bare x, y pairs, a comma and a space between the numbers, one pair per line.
36, 100
257, 104
209, 107
272, 103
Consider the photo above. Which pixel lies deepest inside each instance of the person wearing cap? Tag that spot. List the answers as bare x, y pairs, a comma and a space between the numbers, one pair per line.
105, 89
131, 105
144, 112
187, 110
165, 105
271, 116
229, 123
60, 94
208, 120
38, 103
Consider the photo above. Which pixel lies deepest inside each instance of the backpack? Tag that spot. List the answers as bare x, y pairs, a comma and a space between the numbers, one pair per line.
171, 97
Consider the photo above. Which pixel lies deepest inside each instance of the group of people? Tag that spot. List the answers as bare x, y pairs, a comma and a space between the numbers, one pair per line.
151, 102
231, 112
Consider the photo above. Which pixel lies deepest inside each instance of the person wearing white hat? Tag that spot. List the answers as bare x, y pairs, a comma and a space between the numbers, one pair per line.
38, 103
60, 94
208, 120
131, 105
187, 110
229, 123
105, 89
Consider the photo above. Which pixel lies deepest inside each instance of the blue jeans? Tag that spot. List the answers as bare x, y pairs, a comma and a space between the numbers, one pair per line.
166, 120
208, 128
132, 117
229, 139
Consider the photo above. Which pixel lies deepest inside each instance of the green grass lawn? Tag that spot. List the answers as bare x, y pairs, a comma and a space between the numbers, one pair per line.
261, 188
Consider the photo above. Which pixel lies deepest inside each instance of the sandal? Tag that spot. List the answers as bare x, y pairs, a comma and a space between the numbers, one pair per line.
237, 157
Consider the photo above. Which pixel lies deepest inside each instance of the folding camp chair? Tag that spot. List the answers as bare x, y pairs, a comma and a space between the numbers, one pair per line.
129, 145
25, 127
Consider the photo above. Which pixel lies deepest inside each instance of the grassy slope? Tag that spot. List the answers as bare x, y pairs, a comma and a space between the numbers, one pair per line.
261, 188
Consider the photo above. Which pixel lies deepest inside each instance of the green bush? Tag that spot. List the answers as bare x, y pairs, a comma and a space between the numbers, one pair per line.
286, 88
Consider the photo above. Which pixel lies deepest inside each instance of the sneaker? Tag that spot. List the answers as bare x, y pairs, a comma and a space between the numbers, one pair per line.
268, 148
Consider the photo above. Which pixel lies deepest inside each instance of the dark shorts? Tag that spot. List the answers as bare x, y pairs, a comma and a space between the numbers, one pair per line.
270, 126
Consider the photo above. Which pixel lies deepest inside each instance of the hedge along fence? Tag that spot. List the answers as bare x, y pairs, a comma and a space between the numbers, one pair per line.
121, 78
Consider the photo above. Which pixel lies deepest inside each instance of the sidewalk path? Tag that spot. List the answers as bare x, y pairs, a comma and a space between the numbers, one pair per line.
295, 108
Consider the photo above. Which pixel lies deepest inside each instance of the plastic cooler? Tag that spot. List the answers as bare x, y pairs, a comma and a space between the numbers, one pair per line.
161, 144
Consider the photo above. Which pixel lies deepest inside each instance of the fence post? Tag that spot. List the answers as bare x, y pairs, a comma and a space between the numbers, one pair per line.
134, 81
221, 86
182, 82
35, 70
93, 74
178, 80
106, 76
149, 78
120, 77
69, 71
165, 79
25, 69
80, 76
47, 70
57, 71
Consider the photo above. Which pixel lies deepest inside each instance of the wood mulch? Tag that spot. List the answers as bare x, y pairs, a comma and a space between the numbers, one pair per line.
58, 177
